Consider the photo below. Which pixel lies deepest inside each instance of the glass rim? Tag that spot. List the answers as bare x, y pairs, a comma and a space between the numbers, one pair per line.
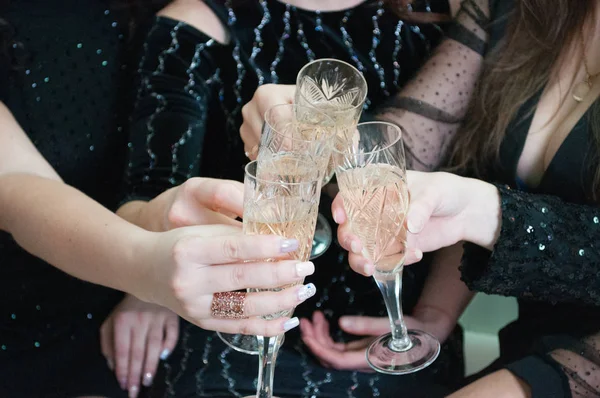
318, 178
311, 108
399, 128
341, 62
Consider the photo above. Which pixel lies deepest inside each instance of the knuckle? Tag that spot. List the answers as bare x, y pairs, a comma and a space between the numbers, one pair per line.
180, 251
219, 196
246, 327
239, 276
231, 249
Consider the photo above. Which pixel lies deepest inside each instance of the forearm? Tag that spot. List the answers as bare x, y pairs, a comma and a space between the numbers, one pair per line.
67, 229
444, 295
501, 384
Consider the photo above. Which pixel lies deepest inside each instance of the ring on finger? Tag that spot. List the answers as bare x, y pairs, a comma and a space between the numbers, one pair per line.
228, 305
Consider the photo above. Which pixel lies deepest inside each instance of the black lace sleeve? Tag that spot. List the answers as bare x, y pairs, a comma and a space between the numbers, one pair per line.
564, 366
547, 251
168, 123
432, 106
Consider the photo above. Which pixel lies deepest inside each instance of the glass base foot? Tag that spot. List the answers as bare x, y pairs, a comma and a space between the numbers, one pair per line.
423, 351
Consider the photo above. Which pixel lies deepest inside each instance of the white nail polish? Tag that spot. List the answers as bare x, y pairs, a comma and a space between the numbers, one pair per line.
306, 292
165, 354
305, 269
133, 391
291, 323
147, 382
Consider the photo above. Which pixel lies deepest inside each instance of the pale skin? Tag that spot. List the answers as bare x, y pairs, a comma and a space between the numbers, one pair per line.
172, 269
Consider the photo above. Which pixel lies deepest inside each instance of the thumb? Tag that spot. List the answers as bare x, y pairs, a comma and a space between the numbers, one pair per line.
365, 325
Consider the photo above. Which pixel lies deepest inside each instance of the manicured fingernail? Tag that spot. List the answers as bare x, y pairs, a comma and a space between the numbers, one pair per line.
337, 216
413, 226
291, 323
305, 269
369, 269
418, 254
165, 354
147, 382
289, 245
123, 384
133, 391
110, 364
306, 292
355, 247
345, 323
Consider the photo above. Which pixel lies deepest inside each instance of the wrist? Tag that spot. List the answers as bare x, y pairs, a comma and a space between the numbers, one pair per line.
483, 215
439, 322
137, 279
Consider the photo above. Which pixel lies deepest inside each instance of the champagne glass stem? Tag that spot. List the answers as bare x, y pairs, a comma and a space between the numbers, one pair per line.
267, 356
391, 289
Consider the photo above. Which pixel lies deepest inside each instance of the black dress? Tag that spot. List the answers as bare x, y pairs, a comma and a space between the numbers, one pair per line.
65, 96
190, 95
547, 256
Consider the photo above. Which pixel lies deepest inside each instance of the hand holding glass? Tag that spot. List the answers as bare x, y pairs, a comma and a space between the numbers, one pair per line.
371, 173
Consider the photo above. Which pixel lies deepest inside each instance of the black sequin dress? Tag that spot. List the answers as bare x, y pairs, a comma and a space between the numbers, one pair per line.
65, 97
190, 95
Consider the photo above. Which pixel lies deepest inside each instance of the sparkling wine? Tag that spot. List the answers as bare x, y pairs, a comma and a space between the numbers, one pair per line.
376, 201
291, 217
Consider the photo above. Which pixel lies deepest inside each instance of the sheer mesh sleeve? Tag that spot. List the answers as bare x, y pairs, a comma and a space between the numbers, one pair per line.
546, 251
434, 103
565, 366
168, 123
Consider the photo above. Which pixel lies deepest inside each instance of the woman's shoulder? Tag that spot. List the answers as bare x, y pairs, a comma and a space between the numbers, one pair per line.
206, 16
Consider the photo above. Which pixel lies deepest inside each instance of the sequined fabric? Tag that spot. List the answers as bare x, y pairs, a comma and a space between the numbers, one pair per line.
190, 95
546, 257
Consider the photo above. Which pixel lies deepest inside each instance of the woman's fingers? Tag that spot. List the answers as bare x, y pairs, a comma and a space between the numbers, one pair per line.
223, 196
122, 338
259, 303
250, 326
338, 359
337, 210
227, 249
106, 343
154, 344
230, 277
171, 336
139, 334
365, 325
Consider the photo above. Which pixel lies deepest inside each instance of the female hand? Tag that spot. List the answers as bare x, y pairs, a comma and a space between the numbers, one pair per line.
253, 112
198, 201
134, 337
188, 269
351, 356
444, 209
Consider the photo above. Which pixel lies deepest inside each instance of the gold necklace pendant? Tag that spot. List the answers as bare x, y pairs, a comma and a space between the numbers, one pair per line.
581, 89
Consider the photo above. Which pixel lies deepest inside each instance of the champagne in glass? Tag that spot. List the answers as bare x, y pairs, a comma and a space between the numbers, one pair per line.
339, 90
280, 198
290, 133
371, 173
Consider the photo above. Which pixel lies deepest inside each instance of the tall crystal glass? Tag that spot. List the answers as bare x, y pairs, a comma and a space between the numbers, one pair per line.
339, 90
371, 173
281, 198
290, 132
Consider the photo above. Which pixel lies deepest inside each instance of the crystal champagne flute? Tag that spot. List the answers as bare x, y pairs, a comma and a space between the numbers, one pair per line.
339, 90
289, 132
281, 197
371, 173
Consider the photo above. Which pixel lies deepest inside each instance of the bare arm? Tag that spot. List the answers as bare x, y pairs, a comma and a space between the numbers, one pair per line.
35, 205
